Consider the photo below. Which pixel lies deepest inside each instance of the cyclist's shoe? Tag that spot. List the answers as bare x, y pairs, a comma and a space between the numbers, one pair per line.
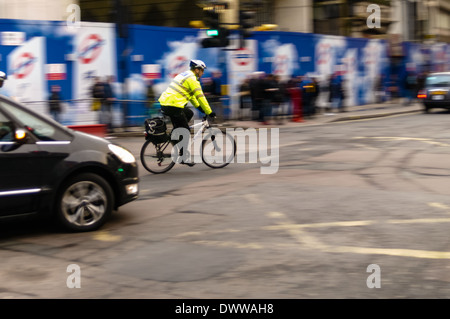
188, 164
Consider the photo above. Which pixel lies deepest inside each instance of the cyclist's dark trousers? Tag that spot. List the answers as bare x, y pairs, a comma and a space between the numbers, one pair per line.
180, 117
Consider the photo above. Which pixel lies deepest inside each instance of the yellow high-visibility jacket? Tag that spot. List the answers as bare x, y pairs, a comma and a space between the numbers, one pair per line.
183, 88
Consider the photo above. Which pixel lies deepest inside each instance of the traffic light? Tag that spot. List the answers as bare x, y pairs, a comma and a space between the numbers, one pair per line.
217, 35
246, 22
217, 38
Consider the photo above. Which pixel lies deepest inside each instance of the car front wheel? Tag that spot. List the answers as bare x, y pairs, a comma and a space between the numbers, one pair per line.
84, 203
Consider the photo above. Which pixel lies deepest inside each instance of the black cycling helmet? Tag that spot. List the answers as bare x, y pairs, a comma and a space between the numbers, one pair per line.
197, 64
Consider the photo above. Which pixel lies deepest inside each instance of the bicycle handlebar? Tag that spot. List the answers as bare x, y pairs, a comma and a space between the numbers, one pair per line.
205, 117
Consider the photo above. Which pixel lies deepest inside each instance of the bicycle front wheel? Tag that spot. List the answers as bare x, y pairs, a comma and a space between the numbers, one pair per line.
157, 158
218, 148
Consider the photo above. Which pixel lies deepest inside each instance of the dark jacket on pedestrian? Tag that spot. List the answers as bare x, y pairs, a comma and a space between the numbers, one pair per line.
98, 91
54, 102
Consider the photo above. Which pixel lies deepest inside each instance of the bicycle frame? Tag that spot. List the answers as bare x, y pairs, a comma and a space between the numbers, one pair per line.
203, 125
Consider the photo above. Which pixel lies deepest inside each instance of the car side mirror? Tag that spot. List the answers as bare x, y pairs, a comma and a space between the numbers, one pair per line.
20, 136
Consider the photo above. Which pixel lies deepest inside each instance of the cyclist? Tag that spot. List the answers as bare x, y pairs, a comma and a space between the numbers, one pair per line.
184, 88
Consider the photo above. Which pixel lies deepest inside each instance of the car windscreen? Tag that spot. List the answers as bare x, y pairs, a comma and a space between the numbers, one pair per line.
438, 80
39, 127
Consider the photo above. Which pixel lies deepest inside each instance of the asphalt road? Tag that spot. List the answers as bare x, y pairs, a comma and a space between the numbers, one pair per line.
356, 209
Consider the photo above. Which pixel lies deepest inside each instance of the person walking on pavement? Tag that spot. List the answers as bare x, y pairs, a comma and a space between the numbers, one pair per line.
54, 103
98, 93
336, 92
184, 88
315, 94
296, 99
271, 91
107, 103
244, 97
307, 95
410, 83
342, 106
257, 95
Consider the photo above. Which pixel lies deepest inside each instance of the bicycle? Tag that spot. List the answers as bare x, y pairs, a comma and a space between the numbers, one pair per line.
218, 149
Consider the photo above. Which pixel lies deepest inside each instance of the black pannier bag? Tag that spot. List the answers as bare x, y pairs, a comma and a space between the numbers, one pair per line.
155, 130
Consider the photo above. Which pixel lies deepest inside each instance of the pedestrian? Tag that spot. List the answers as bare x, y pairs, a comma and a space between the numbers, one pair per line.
393, 88
296, 99
267, 89
244, 97
98, 94
270, 90
330, 93
54, 103
314, 95
410, 84
184, 88
284, 109
257, 95
342, 107
108, 103
379, 89
421, 81
336, 92
277, 98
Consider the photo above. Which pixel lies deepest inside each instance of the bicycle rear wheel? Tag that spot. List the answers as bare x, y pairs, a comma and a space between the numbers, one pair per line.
157, 158
218, 148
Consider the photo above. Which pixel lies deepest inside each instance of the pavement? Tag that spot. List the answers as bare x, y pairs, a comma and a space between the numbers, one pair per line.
367, 111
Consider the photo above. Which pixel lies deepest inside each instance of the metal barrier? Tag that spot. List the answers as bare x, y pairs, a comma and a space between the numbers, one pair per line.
121, 112
78, 114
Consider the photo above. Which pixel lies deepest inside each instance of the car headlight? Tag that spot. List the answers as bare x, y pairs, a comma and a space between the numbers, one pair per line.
123, 154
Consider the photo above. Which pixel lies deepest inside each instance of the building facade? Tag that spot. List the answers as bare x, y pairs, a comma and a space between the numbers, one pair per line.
35, 9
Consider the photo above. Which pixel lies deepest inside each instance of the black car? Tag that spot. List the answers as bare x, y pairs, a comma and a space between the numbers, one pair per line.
49, 170
436, 92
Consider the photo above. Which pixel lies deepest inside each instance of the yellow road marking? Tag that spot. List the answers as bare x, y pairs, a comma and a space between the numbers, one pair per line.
439, 205
399, 138
229, 244
104, 235
253, 198
297, 232
287, 226
198, 233
419, 221
392, 252
320, 225
302, 238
